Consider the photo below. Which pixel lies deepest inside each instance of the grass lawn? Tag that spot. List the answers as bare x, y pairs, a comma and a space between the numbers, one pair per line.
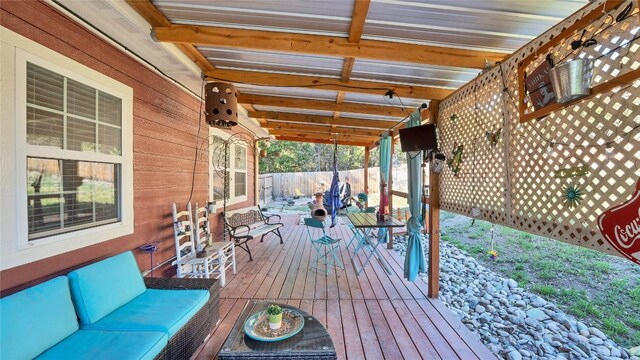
599, 289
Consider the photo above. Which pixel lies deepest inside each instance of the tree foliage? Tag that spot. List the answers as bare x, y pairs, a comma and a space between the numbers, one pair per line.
305, 157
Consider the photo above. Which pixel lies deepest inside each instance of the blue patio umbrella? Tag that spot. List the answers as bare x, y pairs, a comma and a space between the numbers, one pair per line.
334, 191
414, 259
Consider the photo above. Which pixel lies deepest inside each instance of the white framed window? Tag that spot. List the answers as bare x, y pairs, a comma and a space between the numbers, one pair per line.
236, 169
72, 154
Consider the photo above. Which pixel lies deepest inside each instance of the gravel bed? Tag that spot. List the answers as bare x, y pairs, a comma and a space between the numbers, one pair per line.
513, 323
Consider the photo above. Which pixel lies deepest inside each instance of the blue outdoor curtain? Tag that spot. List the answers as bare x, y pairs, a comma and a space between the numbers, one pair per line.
334, 191
414, 259
385, 165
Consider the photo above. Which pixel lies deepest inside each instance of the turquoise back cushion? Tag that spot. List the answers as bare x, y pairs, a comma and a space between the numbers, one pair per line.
35, 319
102, 287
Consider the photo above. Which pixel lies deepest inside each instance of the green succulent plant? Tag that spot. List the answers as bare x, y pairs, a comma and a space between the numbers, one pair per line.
274, 309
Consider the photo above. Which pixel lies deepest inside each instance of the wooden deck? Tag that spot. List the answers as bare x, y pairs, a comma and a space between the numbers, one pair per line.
371, 316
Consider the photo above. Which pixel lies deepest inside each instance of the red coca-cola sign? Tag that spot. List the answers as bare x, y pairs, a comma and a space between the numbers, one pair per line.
620, 225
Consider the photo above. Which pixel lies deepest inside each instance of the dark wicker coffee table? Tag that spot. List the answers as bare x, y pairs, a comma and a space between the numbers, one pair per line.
313, 342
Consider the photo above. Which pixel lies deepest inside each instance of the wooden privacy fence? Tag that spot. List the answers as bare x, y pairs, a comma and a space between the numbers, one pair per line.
285, 184
521, 181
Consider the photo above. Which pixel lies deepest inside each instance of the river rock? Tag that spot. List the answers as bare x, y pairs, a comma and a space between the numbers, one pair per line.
603, 351
597, 333
514, 355
511, 322
537, 301
537, 314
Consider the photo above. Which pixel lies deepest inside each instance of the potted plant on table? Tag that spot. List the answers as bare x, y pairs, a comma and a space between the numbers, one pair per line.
275, 316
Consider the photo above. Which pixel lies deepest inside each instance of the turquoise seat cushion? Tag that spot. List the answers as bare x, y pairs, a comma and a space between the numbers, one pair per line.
35, 319
100, 288
155, 310
108, 345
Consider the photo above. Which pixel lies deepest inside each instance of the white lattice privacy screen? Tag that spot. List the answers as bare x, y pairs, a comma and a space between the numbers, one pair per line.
514, 181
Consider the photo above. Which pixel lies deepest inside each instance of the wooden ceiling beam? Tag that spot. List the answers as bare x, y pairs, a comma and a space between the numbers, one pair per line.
325, 83
320, 141
347, 68
155, 18
325, 45
358, 18
321, 120
323, 129
305, 135
320, 105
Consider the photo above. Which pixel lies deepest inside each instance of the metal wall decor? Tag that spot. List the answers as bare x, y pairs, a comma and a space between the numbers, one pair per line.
573, 195
456, 160
220, 151
493, 137
221, 104
620, 225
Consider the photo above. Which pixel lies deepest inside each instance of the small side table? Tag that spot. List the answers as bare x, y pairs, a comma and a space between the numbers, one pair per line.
313, 342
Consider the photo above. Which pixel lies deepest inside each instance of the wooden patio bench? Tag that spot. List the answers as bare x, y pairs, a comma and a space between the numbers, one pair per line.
249, 223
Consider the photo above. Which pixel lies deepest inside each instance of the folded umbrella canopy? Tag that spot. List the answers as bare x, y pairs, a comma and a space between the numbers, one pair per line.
414, 258
385, 165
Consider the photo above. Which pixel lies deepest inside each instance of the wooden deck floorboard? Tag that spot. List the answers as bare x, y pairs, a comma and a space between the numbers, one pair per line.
375, 315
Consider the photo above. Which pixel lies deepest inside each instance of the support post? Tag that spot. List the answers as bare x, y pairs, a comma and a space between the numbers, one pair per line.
366, 175
390, 190
424, 198
434, 234
434, 219
256, 174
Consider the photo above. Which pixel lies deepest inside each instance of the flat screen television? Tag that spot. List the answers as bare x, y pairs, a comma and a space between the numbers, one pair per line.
419, 138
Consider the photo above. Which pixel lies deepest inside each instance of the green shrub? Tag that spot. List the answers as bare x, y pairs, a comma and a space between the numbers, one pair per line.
544, 290
613, 326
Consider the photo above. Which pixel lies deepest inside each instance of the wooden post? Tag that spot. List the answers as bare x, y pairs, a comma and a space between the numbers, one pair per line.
434, 235
424, 199
434, 219
256, 174
390, 190
366, 175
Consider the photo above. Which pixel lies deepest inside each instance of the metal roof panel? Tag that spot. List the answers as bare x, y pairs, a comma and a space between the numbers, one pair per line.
329, 17
273, 61
411, 73
495, 25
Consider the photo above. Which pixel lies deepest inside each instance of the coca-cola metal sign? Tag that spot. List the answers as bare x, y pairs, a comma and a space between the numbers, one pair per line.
620, 225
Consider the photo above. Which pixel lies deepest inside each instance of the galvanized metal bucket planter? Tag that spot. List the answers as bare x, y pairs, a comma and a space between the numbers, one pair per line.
572, 80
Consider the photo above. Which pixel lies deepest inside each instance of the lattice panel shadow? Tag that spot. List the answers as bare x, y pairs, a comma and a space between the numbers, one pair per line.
515, 183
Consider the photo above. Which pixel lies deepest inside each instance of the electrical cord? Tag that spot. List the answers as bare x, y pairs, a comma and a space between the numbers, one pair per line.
195, 160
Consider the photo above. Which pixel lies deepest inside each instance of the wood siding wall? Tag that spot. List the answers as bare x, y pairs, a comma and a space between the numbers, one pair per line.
165, 127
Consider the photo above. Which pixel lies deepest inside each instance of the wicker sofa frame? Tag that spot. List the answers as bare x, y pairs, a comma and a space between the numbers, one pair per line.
190, 337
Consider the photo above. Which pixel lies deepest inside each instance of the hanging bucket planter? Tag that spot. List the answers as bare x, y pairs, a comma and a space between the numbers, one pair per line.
572, 80
263, 153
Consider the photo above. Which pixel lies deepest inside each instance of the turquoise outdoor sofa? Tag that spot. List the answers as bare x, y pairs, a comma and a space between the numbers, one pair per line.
107, 310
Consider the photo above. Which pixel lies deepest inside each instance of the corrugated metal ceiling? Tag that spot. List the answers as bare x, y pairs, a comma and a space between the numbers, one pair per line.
491, 25
497, 25
328, 17
304, 93
273, 61
412, 74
